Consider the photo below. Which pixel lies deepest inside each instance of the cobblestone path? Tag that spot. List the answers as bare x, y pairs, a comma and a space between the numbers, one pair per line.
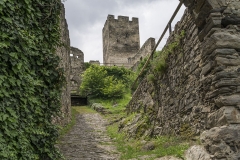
87, 140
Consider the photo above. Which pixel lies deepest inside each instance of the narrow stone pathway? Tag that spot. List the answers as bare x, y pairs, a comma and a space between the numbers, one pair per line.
88, 140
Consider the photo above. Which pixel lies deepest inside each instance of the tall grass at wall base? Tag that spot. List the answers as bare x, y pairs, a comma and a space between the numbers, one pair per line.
133, 148
64, 130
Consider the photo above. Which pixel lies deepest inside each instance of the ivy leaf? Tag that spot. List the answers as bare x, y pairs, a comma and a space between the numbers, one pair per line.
4, 44
27, 1
19, 66
12, 112
13, 54
9, 20
3, 116
3, 35
12, 81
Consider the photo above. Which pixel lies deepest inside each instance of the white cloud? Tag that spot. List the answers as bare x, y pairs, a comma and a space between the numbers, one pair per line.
86, 19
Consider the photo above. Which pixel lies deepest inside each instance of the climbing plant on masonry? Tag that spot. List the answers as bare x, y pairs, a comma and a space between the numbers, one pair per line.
30, 79
158, 63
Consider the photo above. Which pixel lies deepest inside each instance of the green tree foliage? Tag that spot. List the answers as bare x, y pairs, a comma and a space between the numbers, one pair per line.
30, 79
106, 82
86, 65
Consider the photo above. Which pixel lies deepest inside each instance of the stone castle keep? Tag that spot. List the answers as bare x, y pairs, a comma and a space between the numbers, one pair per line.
121, 42
121, 47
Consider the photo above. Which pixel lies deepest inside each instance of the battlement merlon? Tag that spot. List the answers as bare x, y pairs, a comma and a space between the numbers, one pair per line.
121, 18
110, 17
134, 19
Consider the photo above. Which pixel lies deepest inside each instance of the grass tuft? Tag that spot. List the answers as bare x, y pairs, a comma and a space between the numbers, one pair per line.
64, 130
132, 148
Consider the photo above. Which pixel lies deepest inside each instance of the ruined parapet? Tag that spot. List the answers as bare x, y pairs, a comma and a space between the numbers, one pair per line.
198, 94
120, 40
94, 62
144, 51
64, 54
77, 67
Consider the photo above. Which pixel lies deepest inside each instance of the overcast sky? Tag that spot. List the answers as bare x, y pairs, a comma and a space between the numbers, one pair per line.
86, 19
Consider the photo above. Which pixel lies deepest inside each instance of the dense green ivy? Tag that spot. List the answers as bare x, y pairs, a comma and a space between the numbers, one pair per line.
30, 79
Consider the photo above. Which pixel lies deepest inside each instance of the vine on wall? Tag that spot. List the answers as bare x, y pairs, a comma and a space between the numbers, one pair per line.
30, 78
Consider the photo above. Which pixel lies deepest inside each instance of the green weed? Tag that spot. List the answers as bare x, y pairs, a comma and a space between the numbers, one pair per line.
68, 127
132, 148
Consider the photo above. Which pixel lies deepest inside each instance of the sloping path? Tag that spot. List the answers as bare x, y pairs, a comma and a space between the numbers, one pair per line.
87, 140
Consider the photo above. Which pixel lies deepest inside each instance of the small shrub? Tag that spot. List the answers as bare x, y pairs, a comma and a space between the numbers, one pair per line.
151, 78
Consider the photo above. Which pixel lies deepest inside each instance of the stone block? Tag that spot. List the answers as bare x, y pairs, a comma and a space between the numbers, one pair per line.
207, 68
227, 83
222, 142
225, 74
197, 152
217, 4
223, 116
217, 92
227, 61
213, 21
223, 52
221, 38
232, 100
231, 14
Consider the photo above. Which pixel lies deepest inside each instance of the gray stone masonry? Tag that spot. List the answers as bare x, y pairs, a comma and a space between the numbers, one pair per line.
77, 67
120, 40
199, 93
94, 62
64, 54
143, 52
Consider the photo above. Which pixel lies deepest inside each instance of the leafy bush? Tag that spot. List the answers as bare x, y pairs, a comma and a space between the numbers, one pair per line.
105, 82
86, 65
30, 79
92, 83
113, 88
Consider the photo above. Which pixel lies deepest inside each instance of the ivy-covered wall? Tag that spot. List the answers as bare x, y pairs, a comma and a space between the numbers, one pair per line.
30, 78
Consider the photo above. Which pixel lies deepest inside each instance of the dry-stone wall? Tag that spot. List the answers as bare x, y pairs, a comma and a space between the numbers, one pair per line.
77, 67
96, 62
199, 93
64, 54
144, 51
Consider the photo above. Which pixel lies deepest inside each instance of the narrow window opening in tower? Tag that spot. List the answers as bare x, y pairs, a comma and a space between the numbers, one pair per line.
117, 40
127, 35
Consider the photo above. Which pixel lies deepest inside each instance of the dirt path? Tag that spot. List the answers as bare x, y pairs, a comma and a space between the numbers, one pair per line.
87, 140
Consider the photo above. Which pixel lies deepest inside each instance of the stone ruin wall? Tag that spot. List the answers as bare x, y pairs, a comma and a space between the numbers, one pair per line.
96, 62
199, 93
64, 54
143, 52
120, 40
77, 67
